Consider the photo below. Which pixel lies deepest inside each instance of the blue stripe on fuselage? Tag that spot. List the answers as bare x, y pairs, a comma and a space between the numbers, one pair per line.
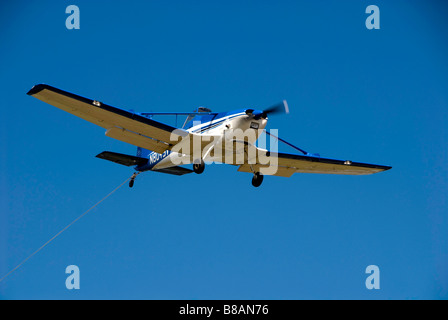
153, 159
207, 122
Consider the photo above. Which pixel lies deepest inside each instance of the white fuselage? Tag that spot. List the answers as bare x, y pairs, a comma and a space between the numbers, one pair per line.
224, 130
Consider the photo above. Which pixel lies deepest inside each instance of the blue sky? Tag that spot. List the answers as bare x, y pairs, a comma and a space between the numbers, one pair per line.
377, 96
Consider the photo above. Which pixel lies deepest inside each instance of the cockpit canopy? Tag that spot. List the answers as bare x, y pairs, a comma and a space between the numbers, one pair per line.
198, 118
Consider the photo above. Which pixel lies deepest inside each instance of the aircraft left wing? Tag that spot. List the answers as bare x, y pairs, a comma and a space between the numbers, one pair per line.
120, 124
285, 165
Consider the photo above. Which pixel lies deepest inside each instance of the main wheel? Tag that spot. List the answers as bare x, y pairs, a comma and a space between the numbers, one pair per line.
131, 183
198, 166
257, 180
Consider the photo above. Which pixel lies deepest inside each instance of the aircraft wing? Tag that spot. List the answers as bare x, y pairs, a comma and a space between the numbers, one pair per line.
285, 165
119, 124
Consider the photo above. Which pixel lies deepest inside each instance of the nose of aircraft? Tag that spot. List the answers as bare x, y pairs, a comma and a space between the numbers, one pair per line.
279, 108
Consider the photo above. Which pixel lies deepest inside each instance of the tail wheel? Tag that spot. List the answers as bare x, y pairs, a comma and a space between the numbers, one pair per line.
257, 179
198, 166
131, 182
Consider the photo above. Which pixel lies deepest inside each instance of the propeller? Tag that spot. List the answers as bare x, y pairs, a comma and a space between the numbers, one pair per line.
275, 109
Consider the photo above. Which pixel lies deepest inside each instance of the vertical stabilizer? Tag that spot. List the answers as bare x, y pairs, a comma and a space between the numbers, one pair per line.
143, 153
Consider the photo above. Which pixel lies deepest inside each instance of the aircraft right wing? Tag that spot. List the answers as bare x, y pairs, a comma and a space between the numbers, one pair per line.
120, 124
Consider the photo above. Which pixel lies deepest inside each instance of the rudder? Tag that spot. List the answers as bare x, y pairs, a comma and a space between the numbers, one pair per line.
143, 153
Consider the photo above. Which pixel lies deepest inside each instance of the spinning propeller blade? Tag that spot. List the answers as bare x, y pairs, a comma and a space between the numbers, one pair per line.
278, 108
275, 109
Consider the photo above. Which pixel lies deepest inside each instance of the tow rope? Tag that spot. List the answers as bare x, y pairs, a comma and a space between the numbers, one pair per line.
60, 232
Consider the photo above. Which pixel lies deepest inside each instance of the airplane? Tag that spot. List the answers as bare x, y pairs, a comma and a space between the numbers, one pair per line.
206, 137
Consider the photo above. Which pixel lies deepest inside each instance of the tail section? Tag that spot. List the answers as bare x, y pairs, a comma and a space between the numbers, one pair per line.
140, 162
143, 153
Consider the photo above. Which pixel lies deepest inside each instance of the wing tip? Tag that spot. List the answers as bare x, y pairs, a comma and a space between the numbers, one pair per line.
376, 168
36, 89
380, 168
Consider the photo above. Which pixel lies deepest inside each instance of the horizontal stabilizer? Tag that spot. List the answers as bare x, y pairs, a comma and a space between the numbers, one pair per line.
177, 171
122, 159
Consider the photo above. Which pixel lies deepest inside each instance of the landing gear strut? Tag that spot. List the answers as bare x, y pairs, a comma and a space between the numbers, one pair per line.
257, 179
198, 166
